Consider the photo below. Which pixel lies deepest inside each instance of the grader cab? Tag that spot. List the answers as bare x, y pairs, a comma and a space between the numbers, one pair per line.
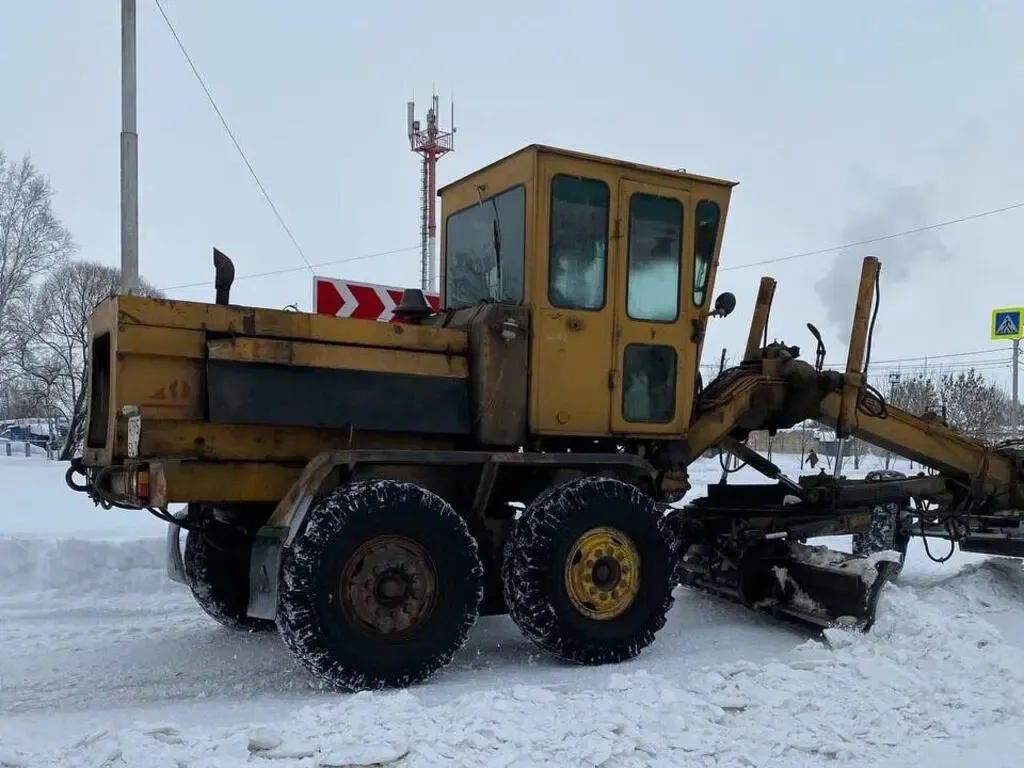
370, 489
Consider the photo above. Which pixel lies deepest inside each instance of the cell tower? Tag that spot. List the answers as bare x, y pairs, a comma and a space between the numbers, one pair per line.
431, 143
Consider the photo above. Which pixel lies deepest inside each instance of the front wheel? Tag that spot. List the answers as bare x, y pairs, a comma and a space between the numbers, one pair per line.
588, 571
380, 586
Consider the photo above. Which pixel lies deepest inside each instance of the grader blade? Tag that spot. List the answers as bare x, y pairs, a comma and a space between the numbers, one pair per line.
827, 588
809, 584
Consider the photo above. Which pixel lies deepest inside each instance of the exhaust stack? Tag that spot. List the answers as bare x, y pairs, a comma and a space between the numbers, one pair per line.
224, 276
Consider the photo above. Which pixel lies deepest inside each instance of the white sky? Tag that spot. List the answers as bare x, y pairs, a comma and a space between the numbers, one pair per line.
840, 121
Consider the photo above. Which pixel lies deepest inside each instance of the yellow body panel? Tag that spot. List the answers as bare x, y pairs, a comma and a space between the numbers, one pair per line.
238, 482
332, 356
253, 442
158, 357
281, 324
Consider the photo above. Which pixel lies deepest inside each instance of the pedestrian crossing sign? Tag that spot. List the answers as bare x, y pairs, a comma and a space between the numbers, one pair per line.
1008, 323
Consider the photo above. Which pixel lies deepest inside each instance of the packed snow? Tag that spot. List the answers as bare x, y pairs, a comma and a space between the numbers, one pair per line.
105, 662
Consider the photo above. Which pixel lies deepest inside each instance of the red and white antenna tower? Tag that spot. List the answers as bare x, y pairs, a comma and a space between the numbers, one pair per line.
431, 143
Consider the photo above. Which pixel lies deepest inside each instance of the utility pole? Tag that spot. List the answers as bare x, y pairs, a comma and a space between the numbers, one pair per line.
1016, 393
894, 379
129, 155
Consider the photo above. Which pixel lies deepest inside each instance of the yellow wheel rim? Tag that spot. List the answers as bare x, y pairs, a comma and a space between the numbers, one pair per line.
602, 573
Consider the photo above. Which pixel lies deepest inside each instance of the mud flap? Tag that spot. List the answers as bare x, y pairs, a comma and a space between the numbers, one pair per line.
264, 568
172, 555
820, 586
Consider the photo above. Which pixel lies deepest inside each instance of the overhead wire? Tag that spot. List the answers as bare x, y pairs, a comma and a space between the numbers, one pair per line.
879, 239
286, 270
231, 134
941, 356
1001, 362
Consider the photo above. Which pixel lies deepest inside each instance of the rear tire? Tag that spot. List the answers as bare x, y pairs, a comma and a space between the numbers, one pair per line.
380, 586
216, 564
588, 571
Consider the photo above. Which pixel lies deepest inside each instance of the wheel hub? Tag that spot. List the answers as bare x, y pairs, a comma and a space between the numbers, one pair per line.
602, 573
389, 585
606, 573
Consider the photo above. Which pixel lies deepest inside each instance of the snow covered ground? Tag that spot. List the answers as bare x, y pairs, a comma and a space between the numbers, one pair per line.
104, 662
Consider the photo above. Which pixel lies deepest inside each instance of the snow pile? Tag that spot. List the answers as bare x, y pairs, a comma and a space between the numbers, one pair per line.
991, 585
56, 542
36, 503
925, 678
76, 567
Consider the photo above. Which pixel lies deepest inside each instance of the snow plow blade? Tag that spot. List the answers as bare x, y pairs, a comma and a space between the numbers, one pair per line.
813, 585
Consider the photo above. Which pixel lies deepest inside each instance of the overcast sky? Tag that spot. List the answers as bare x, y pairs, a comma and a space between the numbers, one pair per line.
841, 121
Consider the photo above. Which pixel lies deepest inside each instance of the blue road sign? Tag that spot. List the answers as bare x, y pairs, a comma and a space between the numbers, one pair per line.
1008, 323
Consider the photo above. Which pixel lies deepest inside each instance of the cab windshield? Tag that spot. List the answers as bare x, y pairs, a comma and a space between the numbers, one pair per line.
485, 250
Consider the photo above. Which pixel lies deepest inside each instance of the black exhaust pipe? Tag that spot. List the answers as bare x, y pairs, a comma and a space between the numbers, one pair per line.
224, 276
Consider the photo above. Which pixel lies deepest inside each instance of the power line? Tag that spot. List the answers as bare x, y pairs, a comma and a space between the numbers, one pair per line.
984, 365
227, 128
938, 363
376, 254
882, 238
938, 357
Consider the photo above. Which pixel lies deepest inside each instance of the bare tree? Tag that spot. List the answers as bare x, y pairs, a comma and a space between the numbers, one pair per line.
913, 392
16, 400
712, 366
32, 240
973, 405
54, 344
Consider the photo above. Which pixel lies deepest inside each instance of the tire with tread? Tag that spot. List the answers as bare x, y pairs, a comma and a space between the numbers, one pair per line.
311, 617
534, 561
216, 561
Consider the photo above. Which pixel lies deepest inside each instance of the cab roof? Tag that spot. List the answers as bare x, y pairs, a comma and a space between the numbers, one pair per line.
549, 150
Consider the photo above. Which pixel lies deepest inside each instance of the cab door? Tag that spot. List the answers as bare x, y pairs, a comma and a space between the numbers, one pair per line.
652, 350
572, 288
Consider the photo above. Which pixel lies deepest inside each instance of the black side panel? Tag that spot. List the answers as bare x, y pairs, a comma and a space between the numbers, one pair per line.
296, 396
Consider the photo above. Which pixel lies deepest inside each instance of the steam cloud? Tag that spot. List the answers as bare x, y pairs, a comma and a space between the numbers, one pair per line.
896, 210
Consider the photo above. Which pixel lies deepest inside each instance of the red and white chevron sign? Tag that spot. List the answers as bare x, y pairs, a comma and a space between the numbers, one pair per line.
366, 301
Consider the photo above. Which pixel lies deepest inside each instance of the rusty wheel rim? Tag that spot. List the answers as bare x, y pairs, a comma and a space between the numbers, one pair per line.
389, 586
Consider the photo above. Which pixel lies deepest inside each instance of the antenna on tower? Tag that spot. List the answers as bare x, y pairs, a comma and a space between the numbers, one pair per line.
431, 143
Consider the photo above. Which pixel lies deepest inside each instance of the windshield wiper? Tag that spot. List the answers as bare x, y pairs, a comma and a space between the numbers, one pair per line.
496, 228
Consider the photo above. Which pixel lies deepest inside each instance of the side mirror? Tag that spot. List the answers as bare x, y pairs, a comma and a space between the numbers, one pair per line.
724, 305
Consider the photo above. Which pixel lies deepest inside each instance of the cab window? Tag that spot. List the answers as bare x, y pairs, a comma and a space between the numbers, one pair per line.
649, 383
578, 254
705, 238
484, 250
655, 254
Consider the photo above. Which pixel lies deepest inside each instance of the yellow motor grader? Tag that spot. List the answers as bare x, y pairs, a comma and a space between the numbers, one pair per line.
369, 489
